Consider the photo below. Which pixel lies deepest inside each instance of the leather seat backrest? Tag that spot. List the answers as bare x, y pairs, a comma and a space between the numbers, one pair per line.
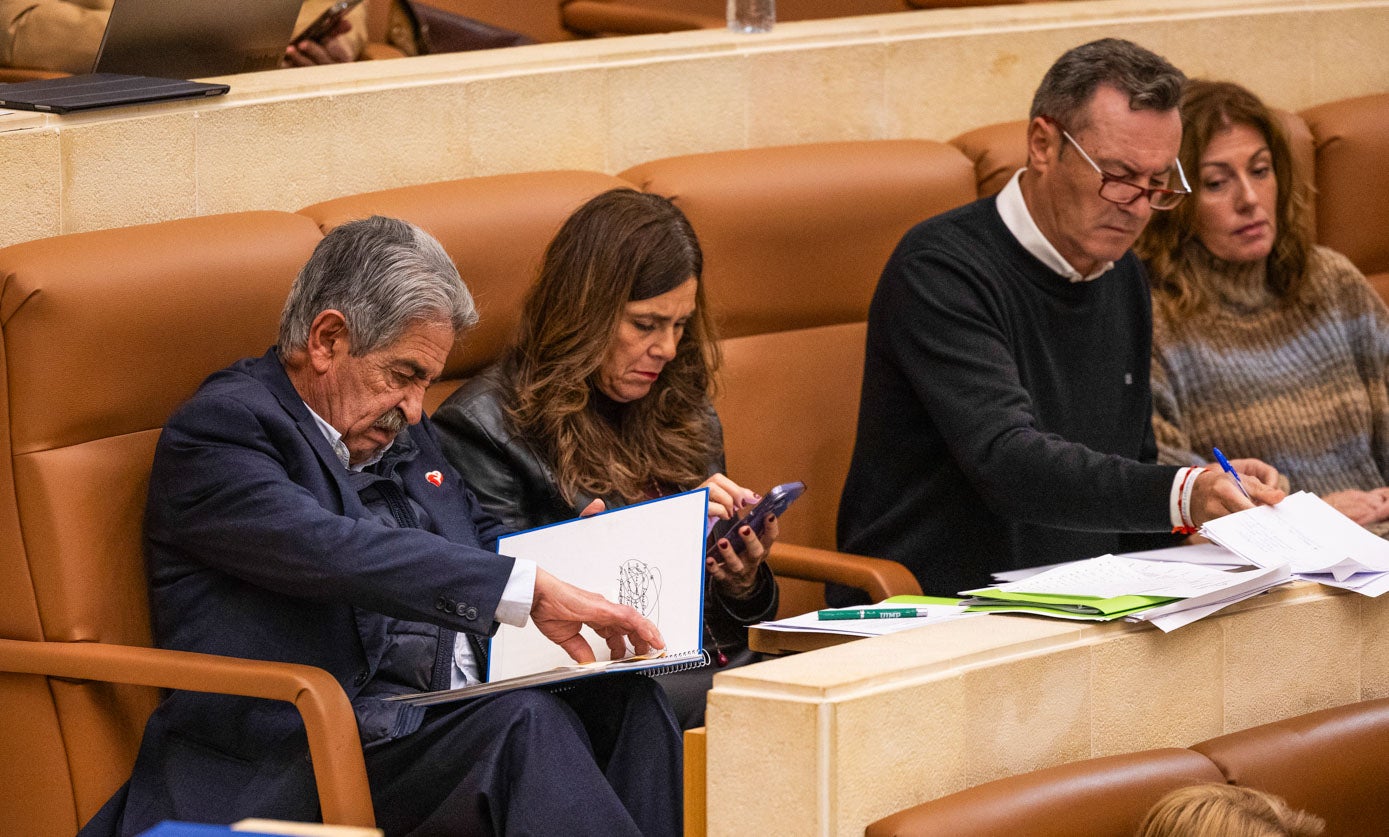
1101, 797
496, 230
104, 334
1352, 165
538, 19
797, 236
789, 404
1333, 763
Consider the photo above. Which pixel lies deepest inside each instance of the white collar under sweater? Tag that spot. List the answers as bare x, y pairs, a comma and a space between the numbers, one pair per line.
1013, 210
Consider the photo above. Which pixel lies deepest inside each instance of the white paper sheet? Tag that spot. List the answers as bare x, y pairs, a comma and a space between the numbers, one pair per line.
1110, 575
1303, 532
1242, 585
1205, 554
649, 556
1366, 584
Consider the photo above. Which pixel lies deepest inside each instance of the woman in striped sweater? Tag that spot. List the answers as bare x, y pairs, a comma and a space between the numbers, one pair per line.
1264, 344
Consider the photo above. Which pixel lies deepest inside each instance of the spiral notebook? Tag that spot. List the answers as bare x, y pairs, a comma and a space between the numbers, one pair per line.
649, 556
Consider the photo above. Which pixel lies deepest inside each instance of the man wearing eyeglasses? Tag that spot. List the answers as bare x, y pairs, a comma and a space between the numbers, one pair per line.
1006, 419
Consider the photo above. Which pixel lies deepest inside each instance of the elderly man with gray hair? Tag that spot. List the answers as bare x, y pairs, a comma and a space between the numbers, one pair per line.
300, 510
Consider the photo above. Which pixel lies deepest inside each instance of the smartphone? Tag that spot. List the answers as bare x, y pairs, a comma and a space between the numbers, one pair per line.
775, 503
326, 22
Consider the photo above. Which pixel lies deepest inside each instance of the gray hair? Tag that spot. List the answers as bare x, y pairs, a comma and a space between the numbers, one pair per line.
383, 275
1150, 82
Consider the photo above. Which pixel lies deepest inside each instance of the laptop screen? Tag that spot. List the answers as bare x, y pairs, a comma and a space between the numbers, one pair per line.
195, 38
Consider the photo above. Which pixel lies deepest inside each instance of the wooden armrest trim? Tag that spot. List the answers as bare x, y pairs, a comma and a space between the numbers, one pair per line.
878, 577
334, 746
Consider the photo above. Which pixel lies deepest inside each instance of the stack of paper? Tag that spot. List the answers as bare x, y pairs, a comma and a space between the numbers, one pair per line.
1168, 594
1319, 543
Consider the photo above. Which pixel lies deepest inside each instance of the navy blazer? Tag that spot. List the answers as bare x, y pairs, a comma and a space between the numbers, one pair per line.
258, 547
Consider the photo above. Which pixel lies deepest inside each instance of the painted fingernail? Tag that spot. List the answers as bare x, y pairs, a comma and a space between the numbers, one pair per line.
723, 543
745, 531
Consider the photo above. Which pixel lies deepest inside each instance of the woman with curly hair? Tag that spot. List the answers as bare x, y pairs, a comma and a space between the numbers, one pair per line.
1264, 344
606, 396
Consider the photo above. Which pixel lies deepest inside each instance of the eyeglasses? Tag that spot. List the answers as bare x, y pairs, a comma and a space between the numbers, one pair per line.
1123, 192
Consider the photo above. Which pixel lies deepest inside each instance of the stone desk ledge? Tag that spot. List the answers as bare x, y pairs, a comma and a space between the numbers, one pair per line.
834, 739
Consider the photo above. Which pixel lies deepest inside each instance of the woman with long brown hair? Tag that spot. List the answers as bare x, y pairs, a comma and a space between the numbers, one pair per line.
1264, 343
605, 395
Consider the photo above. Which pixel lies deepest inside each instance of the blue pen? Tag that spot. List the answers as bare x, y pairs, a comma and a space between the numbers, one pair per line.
1229, 469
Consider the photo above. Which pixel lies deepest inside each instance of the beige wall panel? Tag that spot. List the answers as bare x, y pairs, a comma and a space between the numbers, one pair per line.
884, 767
1374, 651
1291, 659
121, 172
1157, 690
943, 85
1026, 713
287, 154
1237, 51
781, 756
816, 95
665, 108
533, 122
31, 183
1348, 51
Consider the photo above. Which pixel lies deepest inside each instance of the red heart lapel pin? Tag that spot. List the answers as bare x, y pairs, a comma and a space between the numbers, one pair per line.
436, 477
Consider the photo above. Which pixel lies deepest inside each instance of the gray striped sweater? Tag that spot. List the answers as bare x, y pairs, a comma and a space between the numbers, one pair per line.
1302, 388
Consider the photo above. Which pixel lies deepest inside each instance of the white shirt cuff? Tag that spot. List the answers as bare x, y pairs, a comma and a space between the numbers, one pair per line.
519, 595
513, 609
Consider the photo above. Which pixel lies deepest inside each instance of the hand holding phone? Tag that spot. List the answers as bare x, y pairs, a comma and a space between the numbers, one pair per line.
323, 25
775, 503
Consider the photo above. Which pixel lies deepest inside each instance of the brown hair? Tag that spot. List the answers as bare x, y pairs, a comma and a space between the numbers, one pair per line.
1216, 810
619, 247
1169, 244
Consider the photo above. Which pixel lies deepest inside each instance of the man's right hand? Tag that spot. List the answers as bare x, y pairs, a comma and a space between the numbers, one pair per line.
1216, 494
560, 609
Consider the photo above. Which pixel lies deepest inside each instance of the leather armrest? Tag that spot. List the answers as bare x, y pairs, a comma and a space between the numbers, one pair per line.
334, 745
879, 577
595, 17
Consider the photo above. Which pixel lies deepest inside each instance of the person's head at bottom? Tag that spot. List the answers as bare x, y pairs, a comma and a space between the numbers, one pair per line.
1216, 810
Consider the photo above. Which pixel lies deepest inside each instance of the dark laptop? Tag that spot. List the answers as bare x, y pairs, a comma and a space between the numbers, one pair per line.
195, 38
99, 90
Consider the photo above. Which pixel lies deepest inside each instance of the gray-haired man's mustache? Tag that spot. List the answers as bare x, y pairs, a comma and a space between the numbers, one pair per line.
392, 422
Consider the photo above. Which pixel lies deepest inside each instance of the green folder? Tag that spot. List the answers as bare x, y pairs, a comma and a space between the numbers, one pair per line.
920, 600
1091, 608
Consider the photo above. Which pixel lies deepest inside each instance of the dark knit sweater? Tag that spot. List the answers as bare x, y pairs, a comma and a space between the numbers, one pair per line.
1005, 411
